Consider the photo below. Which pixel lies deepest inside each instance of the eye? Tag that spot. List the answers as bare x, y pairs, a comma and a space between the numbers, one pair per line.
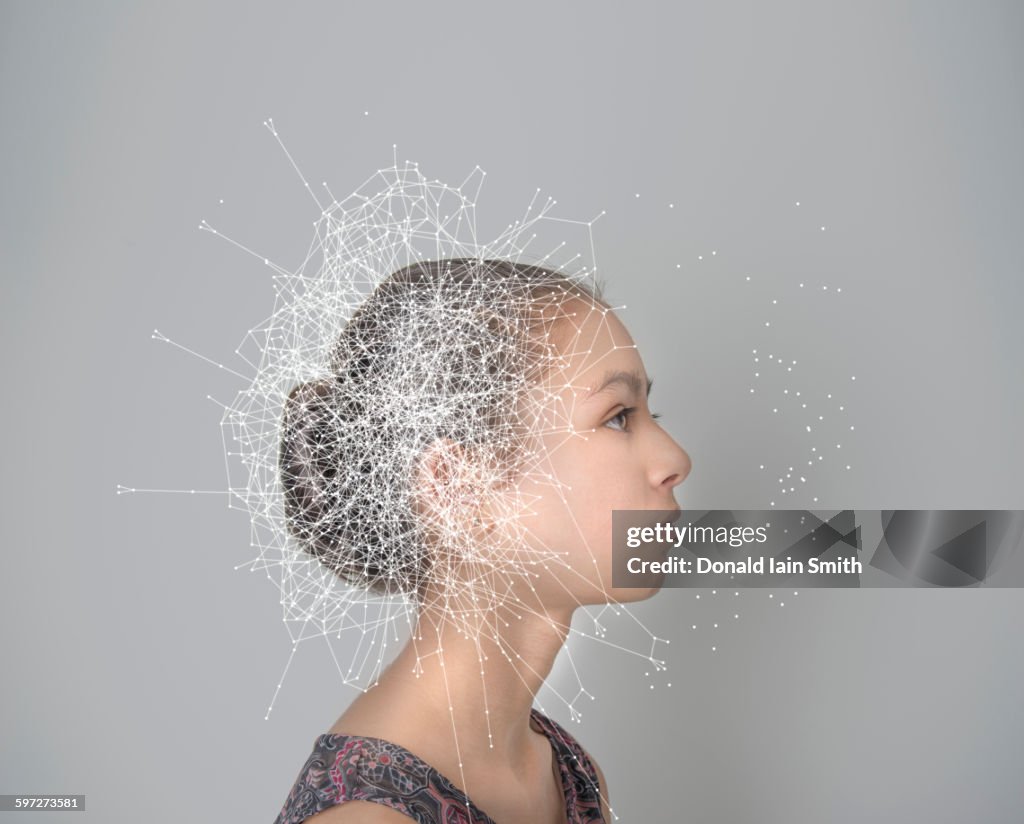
624, 416
620, 418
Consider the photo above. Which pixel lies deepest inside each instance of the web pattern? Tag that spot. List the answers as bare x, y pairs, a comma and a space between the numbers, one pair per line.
351, 562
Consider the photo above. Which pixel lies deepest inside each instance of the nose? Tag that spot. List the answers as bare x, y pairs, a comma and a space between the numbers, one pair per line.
670, 463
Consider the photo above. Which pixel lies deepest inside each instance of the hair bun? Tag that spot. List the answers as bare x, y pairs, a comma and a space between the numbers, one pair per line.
306, 461
308, 391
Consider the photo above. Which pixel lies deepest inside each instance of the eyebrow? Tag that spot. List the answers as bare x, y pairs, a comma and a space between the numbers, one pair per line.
634, 381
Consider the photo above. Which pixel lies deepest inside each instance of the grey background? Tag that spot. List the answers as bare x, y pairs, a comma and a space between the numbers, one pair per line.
138, 665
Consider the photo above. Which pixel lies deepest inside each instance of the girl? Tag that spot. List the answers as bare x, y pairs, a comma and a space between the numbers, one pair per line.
481, 421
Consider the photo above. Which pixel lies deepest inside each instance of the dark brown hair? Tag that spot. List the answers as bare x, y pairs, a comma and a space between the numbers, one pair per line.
440, 349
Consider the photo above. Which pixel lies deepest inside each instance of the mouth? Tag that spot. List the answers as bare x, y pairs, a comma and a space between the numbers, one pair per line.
665, 515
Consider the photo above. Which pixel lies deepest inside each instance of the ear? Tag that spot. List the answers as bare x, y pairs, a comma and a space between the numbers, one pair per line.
454, 495
442, 481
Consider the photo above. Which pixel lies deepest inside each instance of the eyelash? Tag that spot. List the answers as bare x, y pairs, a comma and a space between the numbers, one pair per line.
626, 413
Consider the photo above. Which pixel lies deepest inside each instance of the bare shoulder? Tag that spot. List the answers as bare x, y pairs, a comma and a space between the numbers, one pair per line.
605, 812
359, 812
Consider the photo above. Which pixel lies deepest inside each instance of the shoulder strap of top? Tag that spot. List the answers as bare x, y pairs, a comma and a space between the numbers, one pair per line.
579, 777
361, 768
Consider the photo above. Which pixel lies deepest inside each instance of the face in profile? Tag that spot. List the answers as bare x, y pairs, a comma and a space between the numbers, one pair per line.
596, 448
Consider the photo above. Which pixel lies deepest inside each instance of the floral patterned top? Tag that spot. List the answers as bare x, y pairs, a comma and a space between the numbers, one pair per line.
346, 767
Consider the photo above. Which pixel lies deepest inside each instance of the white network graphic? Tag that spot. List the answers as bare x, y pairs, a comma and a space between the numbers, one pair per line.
356, 375
440, 360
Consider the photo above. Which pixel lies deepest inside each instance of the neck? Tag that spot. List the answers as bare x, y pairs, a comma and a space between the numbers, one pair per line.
480, 685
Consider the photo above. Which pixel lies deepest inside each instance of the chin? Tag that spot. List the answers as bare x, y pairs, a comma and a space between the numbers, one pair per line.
632, 594
627, 595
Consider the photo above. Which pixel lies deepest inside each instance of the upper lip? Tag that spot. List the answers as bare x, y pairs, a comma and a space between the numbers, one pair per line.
672, 511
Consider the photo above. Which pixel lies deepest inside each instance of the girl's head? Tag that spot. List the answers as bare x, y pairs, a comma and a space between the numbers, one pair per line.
480, 420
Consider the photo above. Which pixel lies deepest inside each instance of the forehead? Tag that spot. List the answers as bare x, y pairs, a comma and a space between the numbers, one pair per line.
594, 340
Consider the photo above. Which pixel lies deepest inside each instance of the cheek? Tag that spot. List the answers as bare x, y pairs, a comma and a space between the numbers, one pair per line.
601, 474
593, 477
